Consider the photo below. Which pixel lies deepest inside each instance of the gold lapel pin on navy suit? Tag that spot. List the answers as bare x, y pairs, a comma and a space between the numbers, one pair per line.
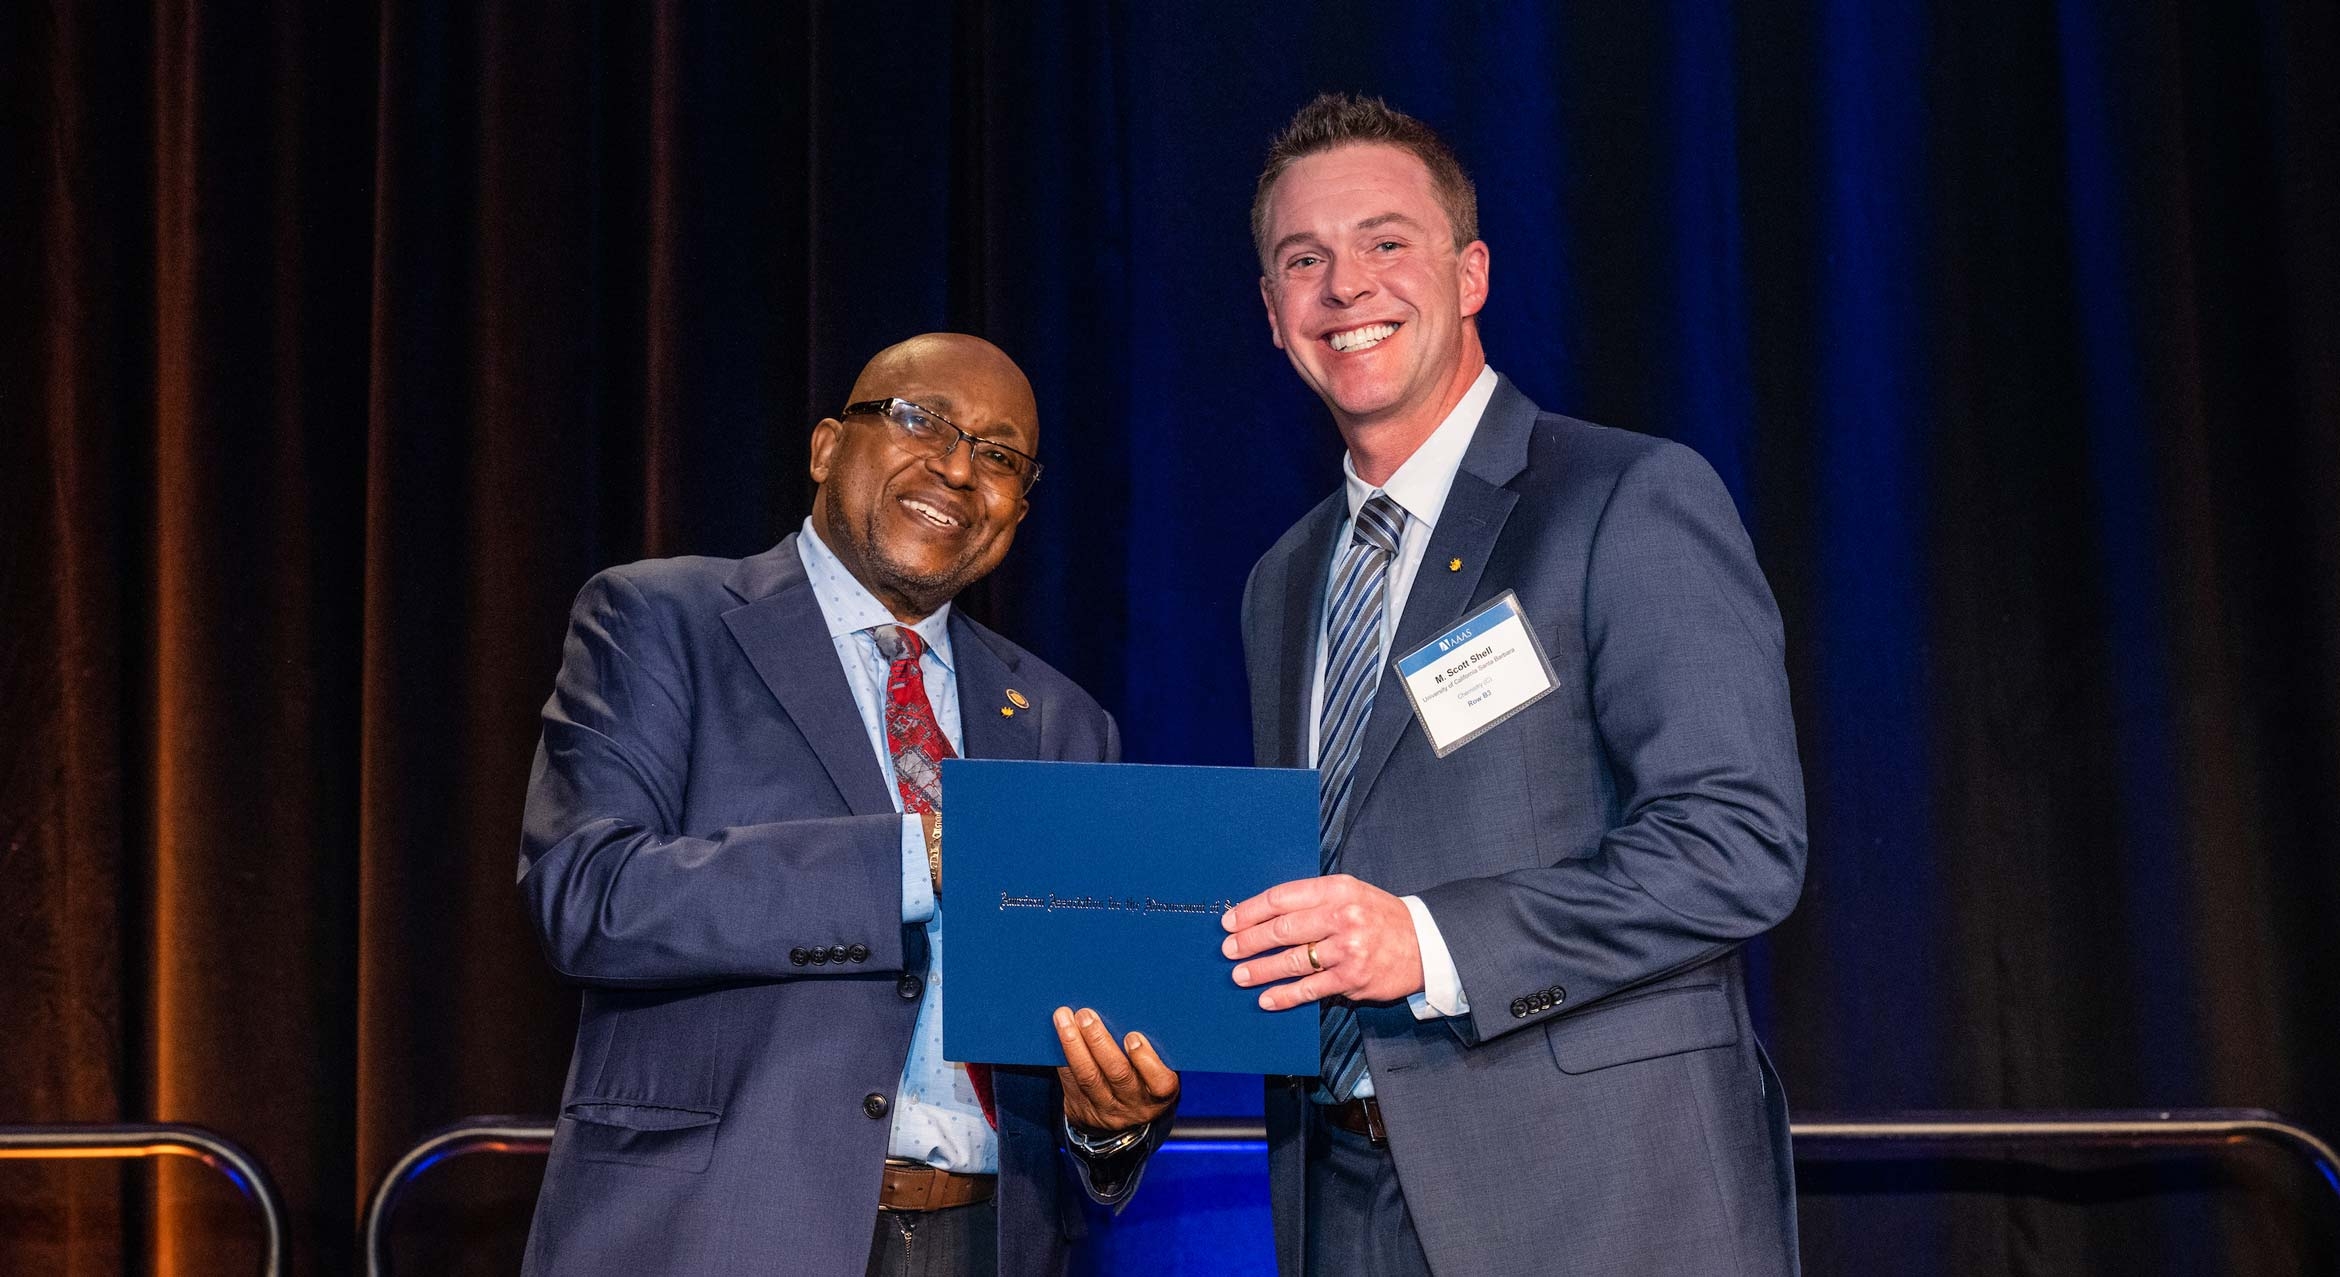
1009, 711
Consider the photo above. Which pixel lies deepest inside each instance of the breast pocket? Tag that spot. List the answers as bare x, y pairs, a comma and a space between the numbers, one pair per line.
676, 1139
1643, 1027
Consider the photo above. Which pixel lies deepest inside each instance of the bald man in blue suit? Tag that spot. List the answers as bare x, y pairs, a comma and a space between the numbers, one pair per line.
731, 844
1538, 1057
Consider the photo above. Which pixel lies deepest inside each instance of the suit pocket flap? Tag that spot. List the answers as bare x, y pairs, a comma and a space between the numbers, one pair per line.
674, 1139
640, 1117
1667, 1022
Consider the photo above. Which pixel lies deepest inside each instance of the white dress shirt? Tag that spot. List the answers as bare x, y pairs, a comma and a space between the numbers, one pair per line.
1419, 487
936, 1117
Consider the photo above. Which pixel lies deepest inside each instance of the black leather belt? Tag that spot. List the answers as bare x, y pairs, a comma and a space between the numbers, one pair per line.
1360, 1117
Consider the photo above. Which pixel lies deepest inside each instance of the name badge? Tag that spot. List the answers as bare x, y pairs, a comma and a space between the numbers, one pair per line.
1477, 674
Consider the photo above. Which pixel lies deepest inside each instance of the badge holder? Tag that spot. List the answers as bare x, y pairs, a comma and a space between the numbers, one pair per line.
1440, 676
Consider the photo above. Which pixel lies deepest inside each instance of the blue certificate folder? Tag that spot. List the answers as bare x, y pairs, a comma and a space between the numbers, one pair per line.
1100, 885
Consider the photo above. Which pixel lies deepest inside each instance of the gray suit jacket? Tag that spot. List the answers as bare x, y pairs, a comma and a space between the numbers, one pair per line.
1594, 863
706, 817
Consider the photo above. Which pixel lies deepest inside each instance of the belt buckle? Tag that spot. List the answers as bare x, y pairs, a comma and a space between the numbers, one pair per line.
1375, 1132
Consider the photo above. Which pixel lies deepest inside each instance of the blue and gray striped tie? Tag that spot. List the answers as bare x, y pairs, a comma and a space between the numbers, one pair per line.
1351, 669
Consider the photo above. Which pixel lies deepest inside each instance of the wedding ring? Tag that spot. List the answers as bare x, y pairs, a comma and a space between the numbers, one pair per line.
1313, 964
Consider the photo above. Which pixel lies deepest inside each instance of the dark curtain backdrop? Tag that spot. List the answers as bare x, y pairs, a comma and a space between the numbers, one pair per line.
340, 343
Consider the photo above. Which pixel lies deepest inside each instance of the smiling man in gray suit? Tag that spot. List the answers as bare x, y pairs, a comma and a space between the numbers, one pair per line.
1525, 945
733, 842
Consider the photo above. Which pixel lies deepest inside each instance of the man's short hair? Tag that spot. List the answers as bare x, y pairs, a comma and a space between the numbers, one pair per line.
1335, 120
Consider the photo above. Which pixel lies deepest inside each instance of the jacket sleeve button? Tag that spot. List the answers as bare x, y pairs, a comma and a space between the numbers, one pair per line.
909, 986
1519, 1008
874, 1104
1559, 995
797, 956
820, 956
858, 953
838, 953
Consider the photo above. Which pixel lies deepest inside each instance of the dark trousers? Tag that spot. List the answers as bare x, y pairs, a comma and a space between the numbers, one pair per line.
1358, 1225
959, 1241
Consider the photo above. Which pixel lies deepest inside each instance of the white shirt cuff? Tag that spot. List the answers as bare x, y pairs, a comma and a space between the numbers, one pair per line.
1442, 991
918, 881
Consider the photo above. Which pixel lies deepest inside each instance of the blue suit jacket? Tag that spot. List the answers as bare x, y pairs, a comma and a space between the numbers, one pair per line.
1593, 864
704, 814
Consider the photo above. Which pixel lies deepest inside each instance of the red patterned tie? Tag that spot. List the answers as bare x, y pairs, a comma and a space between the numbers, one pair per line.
918, 745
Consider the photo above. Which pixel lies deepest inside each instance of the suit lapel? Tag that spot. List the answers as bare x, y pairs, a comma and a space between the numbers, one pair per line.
781, 631
1299, 630
985, 678
1477, 506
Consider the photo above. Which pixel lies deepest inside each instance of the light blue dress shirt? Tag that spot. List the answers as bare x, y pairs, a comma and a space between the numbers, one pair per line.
936, 1117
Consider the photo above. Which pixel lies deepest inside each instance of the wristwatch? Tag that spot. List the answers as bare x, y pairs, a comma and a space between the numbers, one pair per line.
1100, 1147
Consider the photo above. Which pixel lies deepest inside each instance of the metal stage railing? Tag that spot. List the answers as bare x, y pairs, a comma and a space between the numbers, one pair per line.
1817, 1137
160, 1139
2117, 1128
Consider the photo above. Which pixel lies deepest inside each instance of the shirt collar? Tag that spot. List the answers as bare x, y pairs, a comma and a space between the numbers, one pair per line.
849, 608
1422, 482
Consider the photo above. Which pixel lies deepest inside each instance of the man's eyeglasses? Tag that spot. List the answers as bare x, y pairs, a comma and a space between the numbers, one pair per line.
930, 434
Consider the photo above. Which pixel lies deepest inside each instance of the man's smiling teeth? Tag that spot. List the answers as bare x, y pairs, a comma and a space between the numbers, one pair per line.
930, 514
1361, 338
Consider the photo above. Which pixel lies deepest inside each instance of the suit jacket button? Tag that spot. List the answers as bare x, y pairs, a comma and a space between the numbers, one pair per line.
797, 956
910, 986
1559, 995
874, 1104
1519, 1008
859, 953
838, 953
820, 956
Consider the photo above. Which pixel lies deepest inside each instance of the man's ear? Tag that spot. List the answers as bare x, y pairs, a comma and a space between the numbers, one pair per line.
1471, 275
825, 437
1267, 298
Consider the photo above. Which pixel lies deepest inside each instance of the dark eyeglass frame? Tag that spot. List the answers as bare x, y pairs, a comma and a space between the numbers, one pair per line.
888, 406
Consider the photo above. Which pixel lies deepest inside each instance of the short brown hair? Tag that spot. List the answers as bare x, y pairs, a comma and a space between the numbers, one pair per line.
1335, 120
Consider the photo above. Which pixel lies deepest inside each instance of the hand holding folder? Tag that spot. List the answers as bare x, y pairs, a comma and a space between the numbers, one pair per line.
1330, 937
1105, 1089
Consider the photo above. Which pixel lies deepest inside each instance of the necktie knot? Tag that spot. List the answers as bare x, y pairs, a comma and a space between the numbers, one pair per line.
1378, 524
897, 642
